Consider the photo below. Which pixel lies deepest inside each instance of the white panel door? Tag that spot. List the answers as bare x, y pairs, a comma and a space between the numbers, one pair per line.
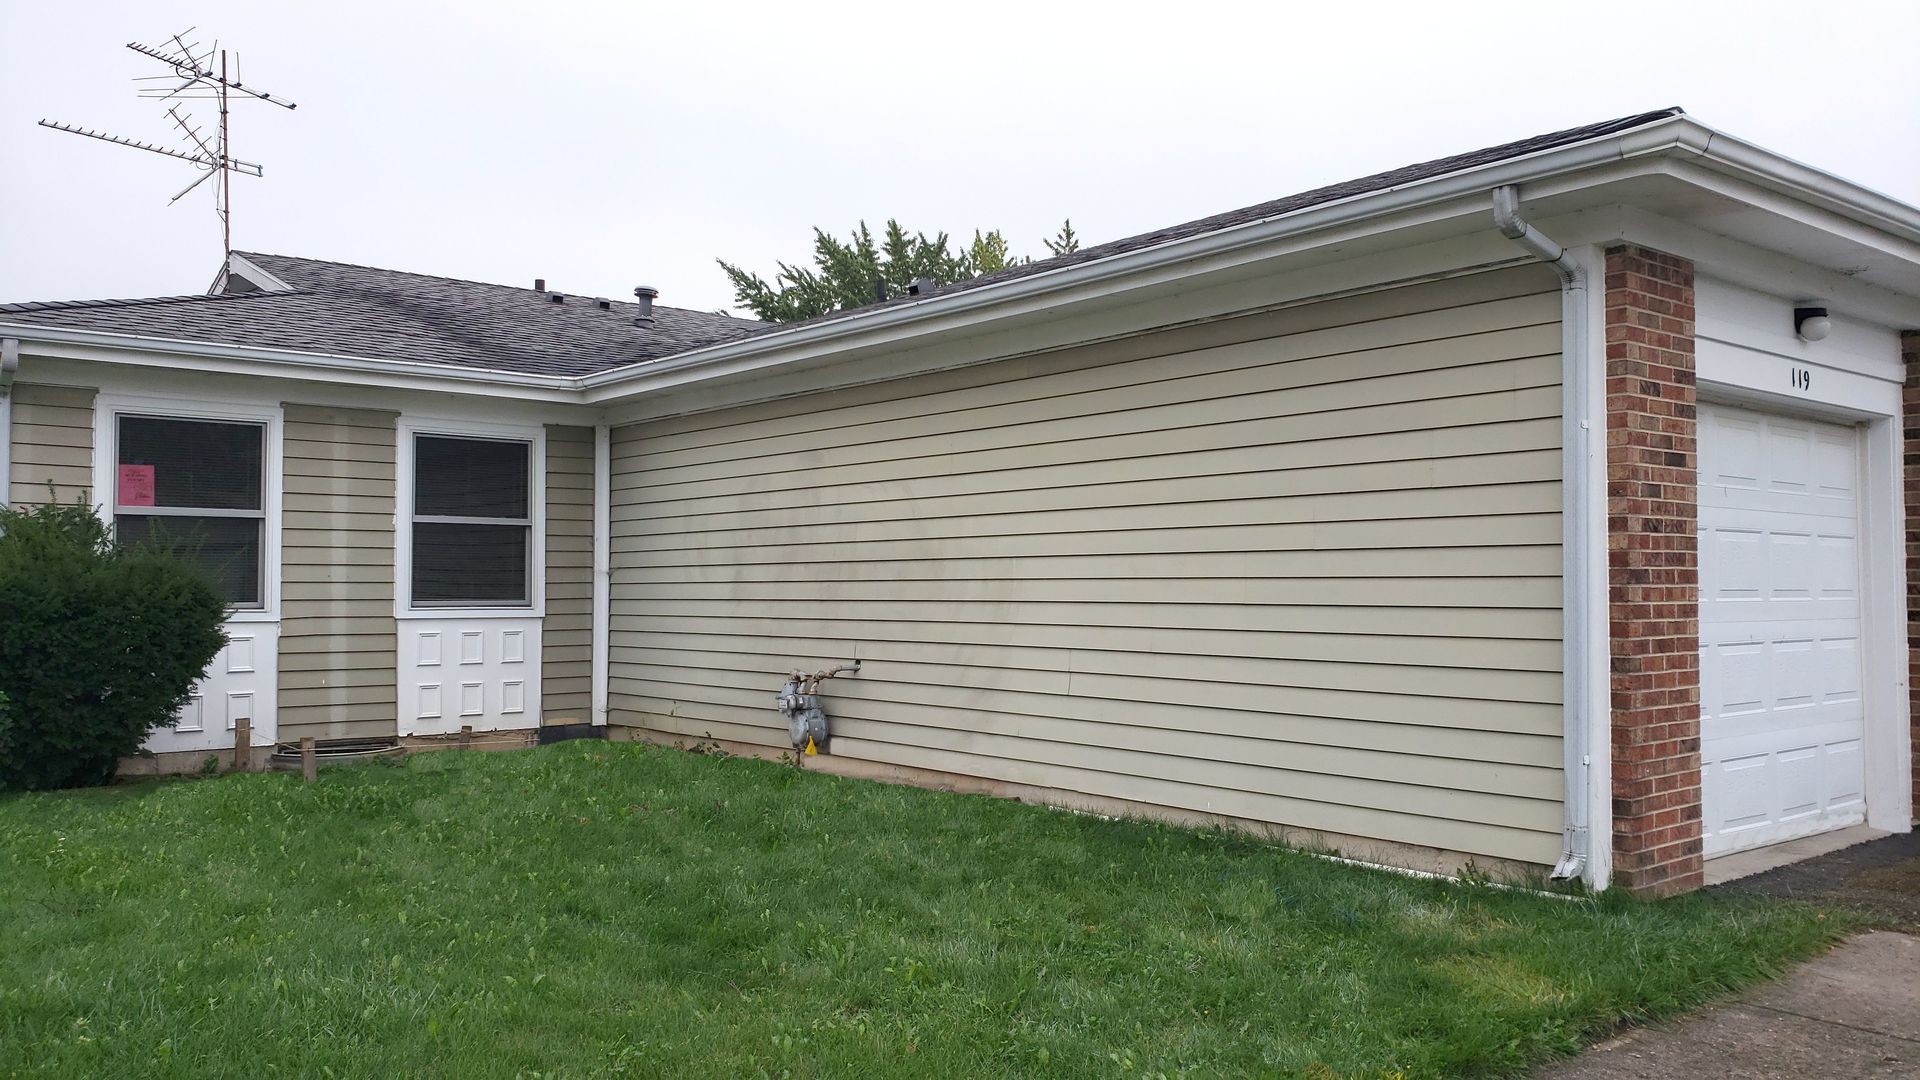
240, 683
478, 673
1781, 710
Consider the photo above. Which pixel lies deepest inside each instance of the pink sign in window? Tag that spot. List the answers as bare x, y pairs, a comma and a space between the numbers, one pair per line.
136, 485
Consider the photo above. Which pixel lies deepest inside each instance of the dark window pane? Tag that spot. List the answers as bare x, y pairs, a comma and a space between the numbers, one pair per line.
228, 549
469, 564
203, 464
469, 477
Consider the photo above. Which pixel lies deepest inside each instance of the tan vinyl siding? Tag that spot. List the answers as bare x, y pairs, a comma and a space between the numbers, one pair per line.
1301, 568
337, 632
52, 443
566, 648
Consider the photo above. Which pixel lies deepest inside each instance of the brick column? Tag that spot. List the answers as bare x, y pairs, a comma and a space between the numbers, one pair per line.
1653, 577
1910, 457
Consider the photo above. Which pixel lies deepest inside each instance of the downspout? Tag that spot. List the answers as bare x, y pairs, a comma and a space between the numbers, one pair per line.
1578, 555
9, 367
602, 565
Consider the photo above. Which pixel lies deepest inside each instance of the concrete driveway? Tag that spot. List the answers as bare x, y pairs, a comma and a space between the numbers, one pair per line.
1854, 1012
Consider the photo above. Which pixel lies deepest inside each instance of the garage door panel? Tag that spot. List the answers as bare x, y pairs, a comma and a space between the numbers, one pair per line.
1780, 659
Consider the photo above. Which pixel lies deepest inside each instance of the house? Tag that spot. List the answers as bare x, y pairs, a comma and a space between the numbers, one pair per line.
1547, 506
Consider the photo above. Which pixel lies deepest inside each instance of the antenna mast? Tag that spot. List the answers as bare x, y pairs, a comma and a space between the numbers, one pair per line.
193, 76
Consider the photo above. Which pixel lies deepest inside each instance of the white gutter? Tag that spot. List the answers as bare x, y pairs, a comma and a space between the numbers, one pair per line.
1678, 136
602, 566
1823, 189
274, 363
1175, 257
9, 367
1583, 610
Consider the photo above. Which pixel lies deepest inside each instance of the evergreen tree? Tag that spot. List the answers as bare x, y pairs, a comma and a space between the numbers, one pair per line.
850, 273
1064, 242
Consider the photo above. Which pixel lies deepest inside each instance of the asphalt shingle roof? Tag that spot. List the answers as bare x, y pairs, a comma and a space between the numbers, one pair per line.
1247, 215
360, 311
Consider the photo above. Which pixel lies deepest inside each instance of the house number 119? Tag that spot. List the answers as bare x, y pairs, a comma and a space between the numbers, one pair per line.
1802, 378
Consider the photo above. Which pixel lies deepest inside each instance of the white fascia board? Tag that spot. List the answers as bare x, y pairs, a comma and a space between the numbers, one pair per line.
1562, 170
136, 351
1733, 260
253, 272
1854, 202
1755, 192
1220, 249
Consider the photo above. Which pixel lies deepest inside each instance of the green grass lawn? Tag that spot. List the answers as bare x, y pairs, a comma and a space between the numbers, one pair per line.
596, 909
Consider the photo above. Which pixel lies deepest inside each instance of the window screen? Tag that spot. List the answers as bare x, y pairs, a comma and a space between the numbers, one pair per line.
195, 485
472, 524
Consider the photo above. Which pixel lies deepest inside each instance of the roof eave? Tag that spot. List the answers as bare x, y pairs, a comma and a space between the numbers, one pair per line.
143, 351
1678, 137
1675, 138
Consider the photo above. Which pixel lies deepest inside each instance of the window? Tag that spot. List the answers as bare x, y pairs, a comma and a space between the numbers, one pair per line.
472, 524
200, 481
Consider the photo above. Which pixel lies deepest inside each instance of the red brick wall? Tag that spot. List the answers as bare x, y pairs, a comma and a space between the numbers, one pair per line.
1653, 578
1910, 399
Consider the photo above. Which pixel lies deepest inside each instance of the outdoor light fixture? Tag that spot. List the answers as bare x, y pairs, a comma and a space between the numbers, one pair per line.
1811, 323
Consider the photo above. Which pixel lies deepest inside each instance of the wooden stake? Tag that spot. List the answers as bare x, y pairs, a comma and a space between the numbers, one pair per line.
242, 744
309, 765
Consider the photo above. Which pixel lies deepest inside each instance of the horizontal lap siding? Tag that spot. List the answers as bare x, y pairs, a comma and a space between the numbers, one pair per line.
52, 444
337, 631
1300, 568
566, 635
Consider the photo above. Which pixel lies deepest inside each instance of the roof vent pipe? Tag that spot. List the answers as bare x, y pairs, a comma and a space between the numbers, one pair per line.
643, 296
539, 284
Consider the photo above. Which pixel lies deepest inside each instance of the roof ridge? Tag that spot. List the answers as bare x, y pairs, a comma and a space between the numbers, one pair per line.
137, 301
471, 281
1369, 184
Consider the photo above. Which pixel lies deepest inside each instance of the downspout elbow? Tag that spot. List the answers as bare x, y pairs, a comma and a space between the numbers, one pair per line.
1506, 218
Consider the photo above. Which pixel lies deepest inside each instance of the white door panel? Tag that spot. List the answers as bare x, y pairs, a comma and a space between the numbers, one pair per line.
241, 682
1781, 710
482, 673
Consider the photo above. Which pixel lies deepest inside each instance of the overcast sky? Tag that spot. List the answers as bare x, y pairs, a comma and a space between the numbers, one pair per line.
606, 145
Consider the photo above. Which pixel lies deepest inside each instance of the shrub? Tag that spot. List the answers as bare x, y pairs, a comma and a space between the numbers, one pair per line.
99, 644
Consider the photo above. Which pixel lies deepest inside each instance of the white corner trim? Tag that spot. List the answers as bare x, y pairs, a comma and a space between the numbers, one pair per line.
602, 567
109, 407
1883, 618
535, 435
9, 367
1588, 622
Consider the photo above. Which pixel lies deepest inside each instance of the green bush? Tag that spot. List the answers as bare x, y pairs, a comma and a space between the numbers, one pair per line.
99, 644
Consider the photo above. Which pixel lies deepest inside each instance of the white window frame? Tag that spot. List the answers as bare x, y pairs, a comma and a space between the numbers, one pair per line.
407, 430
107, 411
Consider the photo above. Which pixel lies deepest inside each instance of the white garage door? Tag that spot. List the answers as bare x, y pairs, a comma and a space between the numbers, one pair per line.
1780, 666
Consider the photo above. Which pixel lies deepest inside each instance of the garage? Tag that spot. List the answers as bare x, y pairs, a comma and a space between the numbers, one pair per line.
1782, 716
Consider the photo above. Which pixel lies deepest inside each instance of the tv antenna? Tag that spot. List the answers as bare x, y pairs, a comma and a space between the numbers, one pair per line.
194, 74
